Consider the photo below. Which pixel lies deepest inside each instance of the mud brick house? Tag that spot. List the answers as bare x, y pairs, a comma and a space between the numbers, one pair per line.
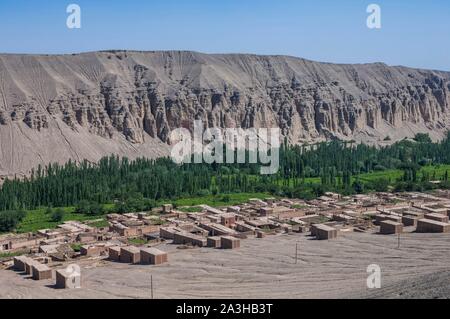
228, 220
19, 242
29, 263
410, 221
185, 238
228, 242
313, 227
217, 229
153, 256
265, 211
167, 208
437, 217
41, 272
130, 255
19, 262
382, 217
325, 232
432, 226
168, 232
114, 253
389, 227
243, 227
414, 213
93, 250
132, 228
213, 242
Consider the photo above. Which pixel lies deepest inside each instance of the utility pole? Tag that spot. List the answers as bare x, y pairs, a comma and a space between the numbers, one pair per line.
151, 284
398, 243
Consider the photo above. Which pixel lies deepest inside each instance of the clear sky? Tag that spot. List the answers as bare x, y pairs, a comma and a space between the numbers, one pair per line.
414, 32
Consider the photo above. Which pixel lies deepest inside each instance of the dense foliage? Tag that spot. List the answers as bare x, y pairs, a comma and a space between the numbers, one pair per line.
10, 219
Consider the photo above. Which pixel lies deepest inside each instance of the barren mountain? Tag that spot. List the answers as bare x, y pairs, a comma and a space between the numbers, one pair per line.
84, 106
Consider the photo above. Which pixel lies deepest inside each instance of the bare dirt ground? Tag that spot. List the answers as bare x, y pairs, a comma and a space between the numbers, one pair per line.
266, 268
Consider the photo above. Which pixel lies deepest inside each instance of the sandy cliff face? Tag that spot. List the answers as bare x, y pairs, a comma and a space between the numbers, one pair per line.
84, 106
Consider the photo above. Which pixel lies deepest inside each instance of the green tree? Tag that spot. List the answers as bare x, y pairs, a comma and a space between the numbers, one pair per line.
10, 219
422, 138
380, 185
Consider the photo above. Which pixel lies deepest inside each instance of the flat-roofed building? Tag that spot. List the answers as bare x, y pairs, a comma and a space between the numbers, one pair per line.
410, 221
265, 211
130, 255
217, 229
260, 234
257, 202
93, 250
228, 220
41, 272
388, 227
213, 242
437, 217
244, 227
168, 232
211, 210
114, 253
167, 208
325, 232
414, 213
228, 242
19, 262
153, 256
432, 226
185, 238
29, 263
382, 217
233, 209
343, 218
13, 242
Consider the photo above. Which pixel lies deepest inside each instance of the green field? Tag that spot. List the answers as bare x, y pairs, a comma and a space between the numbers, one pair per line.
190, 209
218, 200
392, 174
39, 219
137, 241
13, 254
438, 171
98, 223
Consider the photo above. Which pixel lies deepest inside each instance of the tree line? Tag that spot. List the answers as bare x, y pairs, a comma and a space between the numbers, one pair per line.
139, 184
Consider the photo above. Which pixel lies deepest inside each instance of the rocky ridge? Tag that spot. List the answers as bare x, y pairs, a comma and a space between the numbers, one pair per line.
84, 106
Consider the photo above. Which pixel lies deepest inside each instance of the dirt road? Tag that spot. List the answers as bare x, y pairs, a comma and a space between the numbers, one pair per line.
266, 268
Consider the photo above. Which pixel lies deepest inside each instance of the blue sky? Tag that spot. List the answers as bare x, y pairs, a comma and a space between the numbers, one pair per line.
414, 32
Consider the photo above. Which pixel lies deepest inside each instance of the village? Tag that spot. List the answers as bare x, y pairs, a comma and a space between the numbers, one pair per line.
141, 238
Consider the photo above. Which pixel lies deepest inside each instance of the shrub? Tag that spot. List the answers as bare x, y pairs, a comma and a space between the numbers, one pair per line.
89, 208
422, 138
58, 215
380, 185
10, 219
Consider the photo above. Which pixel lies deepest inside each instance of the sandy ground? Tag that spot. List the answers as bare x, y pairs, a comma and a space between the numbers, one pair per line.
266, 268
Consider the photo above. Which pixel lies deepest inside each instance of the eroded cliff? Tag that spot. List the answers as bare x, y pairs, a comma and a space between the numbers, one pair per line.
84, 106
